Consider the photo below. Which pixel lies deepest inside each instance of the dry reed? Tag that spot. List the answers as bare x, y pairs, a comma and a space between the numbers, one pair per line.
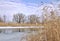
51, 33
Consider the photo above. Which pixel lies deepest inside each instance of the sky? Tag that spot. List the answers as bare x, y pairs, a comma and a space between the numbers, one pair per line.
27, 7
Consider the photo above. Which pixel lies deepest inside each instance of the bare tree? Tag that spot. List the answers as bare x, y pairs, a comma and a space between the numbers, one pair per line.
1, 20
4, 18
33, 19
18, 17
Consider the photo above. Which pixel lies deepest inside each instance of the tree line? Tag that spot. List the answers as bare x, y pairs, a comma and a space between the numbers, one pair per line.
34, 19
21, 18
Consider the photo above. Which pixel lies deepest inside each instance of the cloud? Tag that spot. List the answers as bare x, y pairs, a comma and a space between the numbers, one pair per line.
10, 8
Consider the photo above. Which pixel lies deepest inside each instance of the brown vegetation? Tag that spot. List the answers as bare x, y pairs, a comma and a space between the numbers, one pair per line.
18, 24
51, 32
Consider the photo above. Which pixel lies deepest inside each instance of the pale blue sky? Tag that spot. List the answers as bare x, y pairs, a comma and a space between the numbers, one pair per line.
32, 1
27, 7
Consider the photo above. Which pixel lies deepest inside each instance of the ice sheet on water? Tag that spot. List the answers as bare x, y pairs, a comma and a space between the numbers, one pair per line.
11, 37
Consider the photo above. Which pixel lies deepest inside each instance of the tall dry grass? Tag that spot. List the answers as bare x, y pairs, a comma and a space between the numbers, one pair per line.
51, 32
37, 36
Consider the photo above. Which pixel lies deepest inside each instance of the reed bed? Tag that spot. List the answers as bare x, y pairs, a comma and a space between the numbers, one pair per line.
50, 32
53, 31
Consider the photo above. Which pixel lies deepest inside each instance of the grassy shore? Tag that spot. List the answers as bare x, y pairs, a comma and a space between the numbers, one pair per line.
18, 24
